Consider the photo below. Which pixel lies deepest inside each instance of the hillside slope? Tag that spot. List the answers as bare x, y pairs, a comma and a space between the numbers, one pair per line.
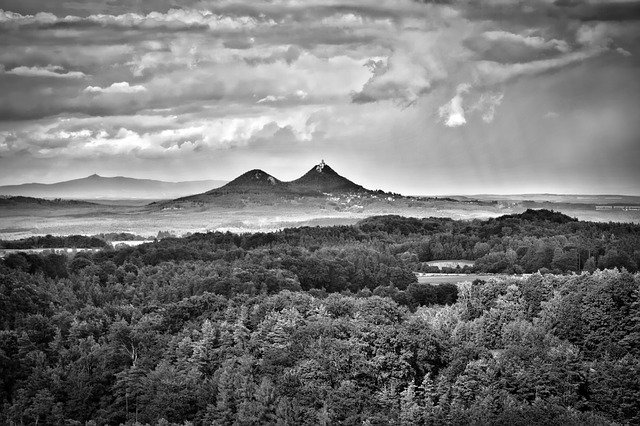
253, 181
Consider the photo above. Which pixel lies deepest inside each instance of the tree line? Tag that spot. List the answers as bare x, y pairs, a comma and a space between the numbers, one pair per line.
321, 326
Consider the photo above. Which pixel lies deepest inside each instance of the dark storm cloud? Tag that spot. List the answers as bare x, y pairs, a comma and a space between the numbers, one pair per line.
615, 10
546, 10
90, 7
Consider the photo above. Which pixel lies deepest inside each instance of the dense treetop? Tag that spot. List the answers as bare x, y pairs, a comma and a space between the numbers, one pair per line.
328, 325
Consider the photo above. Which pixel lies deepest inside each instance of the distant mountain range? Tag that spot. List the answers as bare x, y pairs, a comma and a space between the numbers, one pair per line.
319, 180
99, 187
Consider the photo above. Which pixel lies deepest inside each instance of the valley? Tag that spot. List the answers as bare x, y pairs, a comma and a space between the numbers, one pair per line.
257, 201
236, 214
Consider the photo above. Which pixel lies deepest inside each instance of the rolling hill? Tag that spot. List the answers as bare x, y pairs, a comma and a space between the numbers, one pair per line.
119, 187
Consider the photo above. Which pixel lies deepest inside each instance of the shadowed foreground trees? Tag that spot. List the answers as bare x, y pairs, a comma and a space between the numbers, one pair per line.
542, 350
326, 326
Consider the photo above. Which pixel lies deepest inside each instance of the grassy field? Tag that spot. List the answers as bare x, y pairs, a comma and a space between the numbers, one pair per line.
455, 278
451, 263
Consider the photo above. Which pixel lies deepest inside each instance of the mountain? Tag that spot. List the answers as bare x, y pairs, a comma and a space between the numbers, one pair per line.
119, 187
253, 181
322, 178
260, 186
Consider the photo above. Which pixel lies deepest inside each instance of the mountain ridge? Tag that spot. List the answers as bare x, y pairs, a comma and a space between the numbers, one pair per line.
116, 187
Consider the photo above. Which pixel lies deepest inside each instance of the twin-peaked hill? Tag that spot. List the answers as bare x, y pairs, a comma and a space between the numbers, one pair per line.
318, 181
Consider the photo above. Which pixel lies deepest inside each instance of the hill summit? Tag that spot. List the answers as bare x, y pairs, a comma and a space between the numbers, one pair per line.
253, 181
322, 178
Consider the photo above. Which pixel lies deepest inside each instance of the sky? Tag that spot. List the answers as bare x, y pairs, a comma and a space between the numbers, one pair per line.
417, 97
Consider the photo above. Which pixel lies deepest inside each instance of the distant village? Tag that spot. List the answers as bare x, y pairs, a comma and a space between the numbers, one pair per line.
622, 208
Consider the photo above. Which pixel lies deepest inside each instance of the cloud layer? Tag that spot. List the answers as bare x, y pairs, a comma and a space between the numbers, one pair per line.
212, 79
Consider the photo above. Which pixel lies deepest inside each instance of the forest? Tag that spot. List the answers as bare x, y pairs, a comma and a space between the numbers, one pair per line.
328, 325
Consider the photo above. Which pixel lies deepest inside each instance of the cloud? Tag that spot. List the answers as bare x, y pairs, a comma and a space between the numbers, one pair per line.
333, 37
453, 112
487, 105
17, 19
270, 99
535, 42
273, 135
408, 73
492, 73
289, 55
601, 10
49, 71
299, 95
529, 11
401, 81
238, 73
507, 47
122, 87
157, 136
623, 52
173, 19
590, 35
